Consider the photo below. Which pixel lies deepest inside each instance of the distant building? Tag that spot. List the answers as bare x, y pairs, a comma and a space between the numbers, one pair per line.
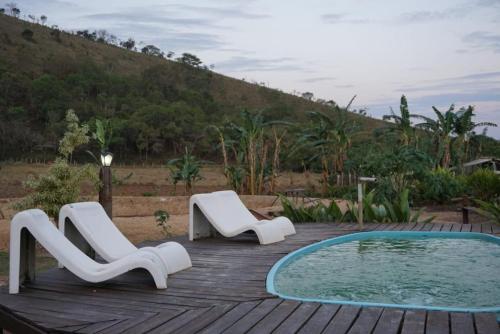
485, 163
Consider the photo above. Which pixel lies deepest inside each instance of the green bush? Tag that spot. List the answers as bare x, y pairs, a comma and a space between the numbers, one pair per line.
483, 184
490, 210
440, 186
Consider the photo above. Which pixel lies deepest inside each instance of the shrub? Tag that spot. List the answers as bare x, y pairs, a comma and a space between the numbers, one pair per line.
440, 185
490, 209
483, 184
27, 34
61, 185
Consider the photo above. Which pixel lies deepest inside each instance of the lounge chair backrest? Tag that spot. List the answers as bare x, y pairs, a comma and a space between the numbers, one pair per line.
225, 210
96, 227
39, 225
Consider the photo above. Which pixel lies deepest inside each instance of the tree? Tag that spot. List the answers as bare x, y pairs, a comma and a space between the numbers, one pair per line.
86, 34
402, 122
2, 10
27, 34
129, 44
308, 96
442, 129
152, 50
43, 19
14, 11
190, 59
464, 129
32, 18
328, 139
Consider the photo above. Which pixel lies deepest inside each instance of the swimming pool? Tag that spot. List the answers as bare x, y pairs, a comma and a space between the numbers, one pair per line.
449, 271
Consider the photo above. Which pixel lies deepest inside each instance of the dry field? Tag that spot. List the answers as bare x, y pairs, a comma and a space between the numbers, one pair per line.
154, 181
148, 190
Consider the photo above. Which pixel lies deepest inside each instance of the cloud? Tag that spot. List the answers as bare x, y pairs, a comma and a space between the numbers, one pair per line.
483, 40
185, 41
318, 79
336, 18
248, 64
239, 12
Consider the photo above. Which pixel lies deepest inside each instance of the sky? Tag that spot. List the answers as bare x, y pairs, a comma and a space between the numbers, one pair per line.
435, 52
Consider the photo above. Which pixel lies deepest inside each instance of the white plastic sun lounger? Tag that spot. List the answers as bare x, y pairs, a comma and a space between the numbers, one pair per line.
223, 212
26, 226
93, 224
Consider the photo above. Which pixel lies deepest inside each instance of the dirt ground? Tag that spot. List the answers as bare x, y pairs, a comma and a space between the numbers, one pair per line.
145, 181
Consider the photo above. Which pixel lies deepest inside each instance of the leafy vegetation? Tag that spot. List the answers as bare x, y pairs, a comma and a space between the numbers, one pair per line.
162, 217
397, 211
440, 186
185, 169
490, 209
313, 213
62, 183
483, 184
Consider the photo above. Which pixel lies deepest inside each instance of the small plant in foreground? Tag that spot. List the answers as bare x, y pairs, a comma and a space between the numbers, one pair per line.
161, 217
314, 213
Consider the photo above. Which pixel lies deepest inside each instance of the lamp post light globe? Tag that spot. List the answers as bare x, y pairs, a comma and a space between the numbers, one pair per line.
106, 158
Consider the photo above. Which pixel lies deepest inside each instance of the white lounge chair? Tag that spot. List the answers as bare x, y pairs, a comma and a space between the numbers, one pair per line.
26, 226
223, 211
94, 225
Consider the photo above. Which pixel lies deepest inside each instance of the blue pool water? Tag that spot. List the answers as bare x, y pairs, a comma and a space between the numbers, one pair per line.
430, 270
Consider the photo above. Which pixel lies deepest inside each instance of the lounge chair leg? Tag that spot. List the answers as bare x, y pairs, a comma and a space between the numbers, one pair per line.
27, 257
201, 226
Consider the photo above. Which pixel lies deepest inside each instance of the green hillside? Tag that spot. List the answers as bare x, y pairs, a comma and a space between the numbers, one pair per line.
157, 105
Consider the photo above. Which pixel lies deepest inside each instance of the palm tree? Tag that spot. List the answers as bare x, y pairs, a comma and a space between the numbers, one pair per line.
464, 129
442, 129
403, 122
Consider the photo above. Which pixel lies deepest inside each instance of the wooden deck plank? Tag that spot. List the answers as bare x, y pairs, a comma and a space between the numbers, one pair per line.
366, 320
486, 323
254, 316
462, 323
343, 320
224, 292
320, 319
275, 317
297, 319
437, 323
228, 319
389, 322
171, 326
414, 322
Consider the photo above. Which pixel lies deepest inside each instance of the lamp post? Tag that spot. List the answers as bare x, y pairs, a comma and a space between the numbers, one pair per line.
105, 193
362, 180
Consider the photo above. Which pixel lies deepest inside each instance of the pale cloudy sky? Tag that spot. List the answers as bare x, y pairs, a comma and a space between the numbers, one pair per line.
435, 52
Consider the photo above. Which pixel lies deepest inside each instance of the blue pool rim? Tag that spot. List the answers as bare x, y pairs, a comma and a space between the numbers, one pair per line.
379, 234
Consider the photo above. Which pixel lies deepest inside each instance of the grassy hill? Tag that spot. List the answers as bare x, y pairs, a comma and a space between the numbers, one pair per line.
157, 105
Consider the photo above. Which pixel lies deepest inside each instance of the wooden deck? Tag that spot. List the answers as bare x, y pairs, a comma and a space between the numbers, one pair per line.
224, 292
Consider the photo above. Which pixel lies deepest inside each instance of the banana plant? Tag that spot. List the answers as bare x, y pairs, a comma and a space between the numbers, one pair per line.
185, 169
